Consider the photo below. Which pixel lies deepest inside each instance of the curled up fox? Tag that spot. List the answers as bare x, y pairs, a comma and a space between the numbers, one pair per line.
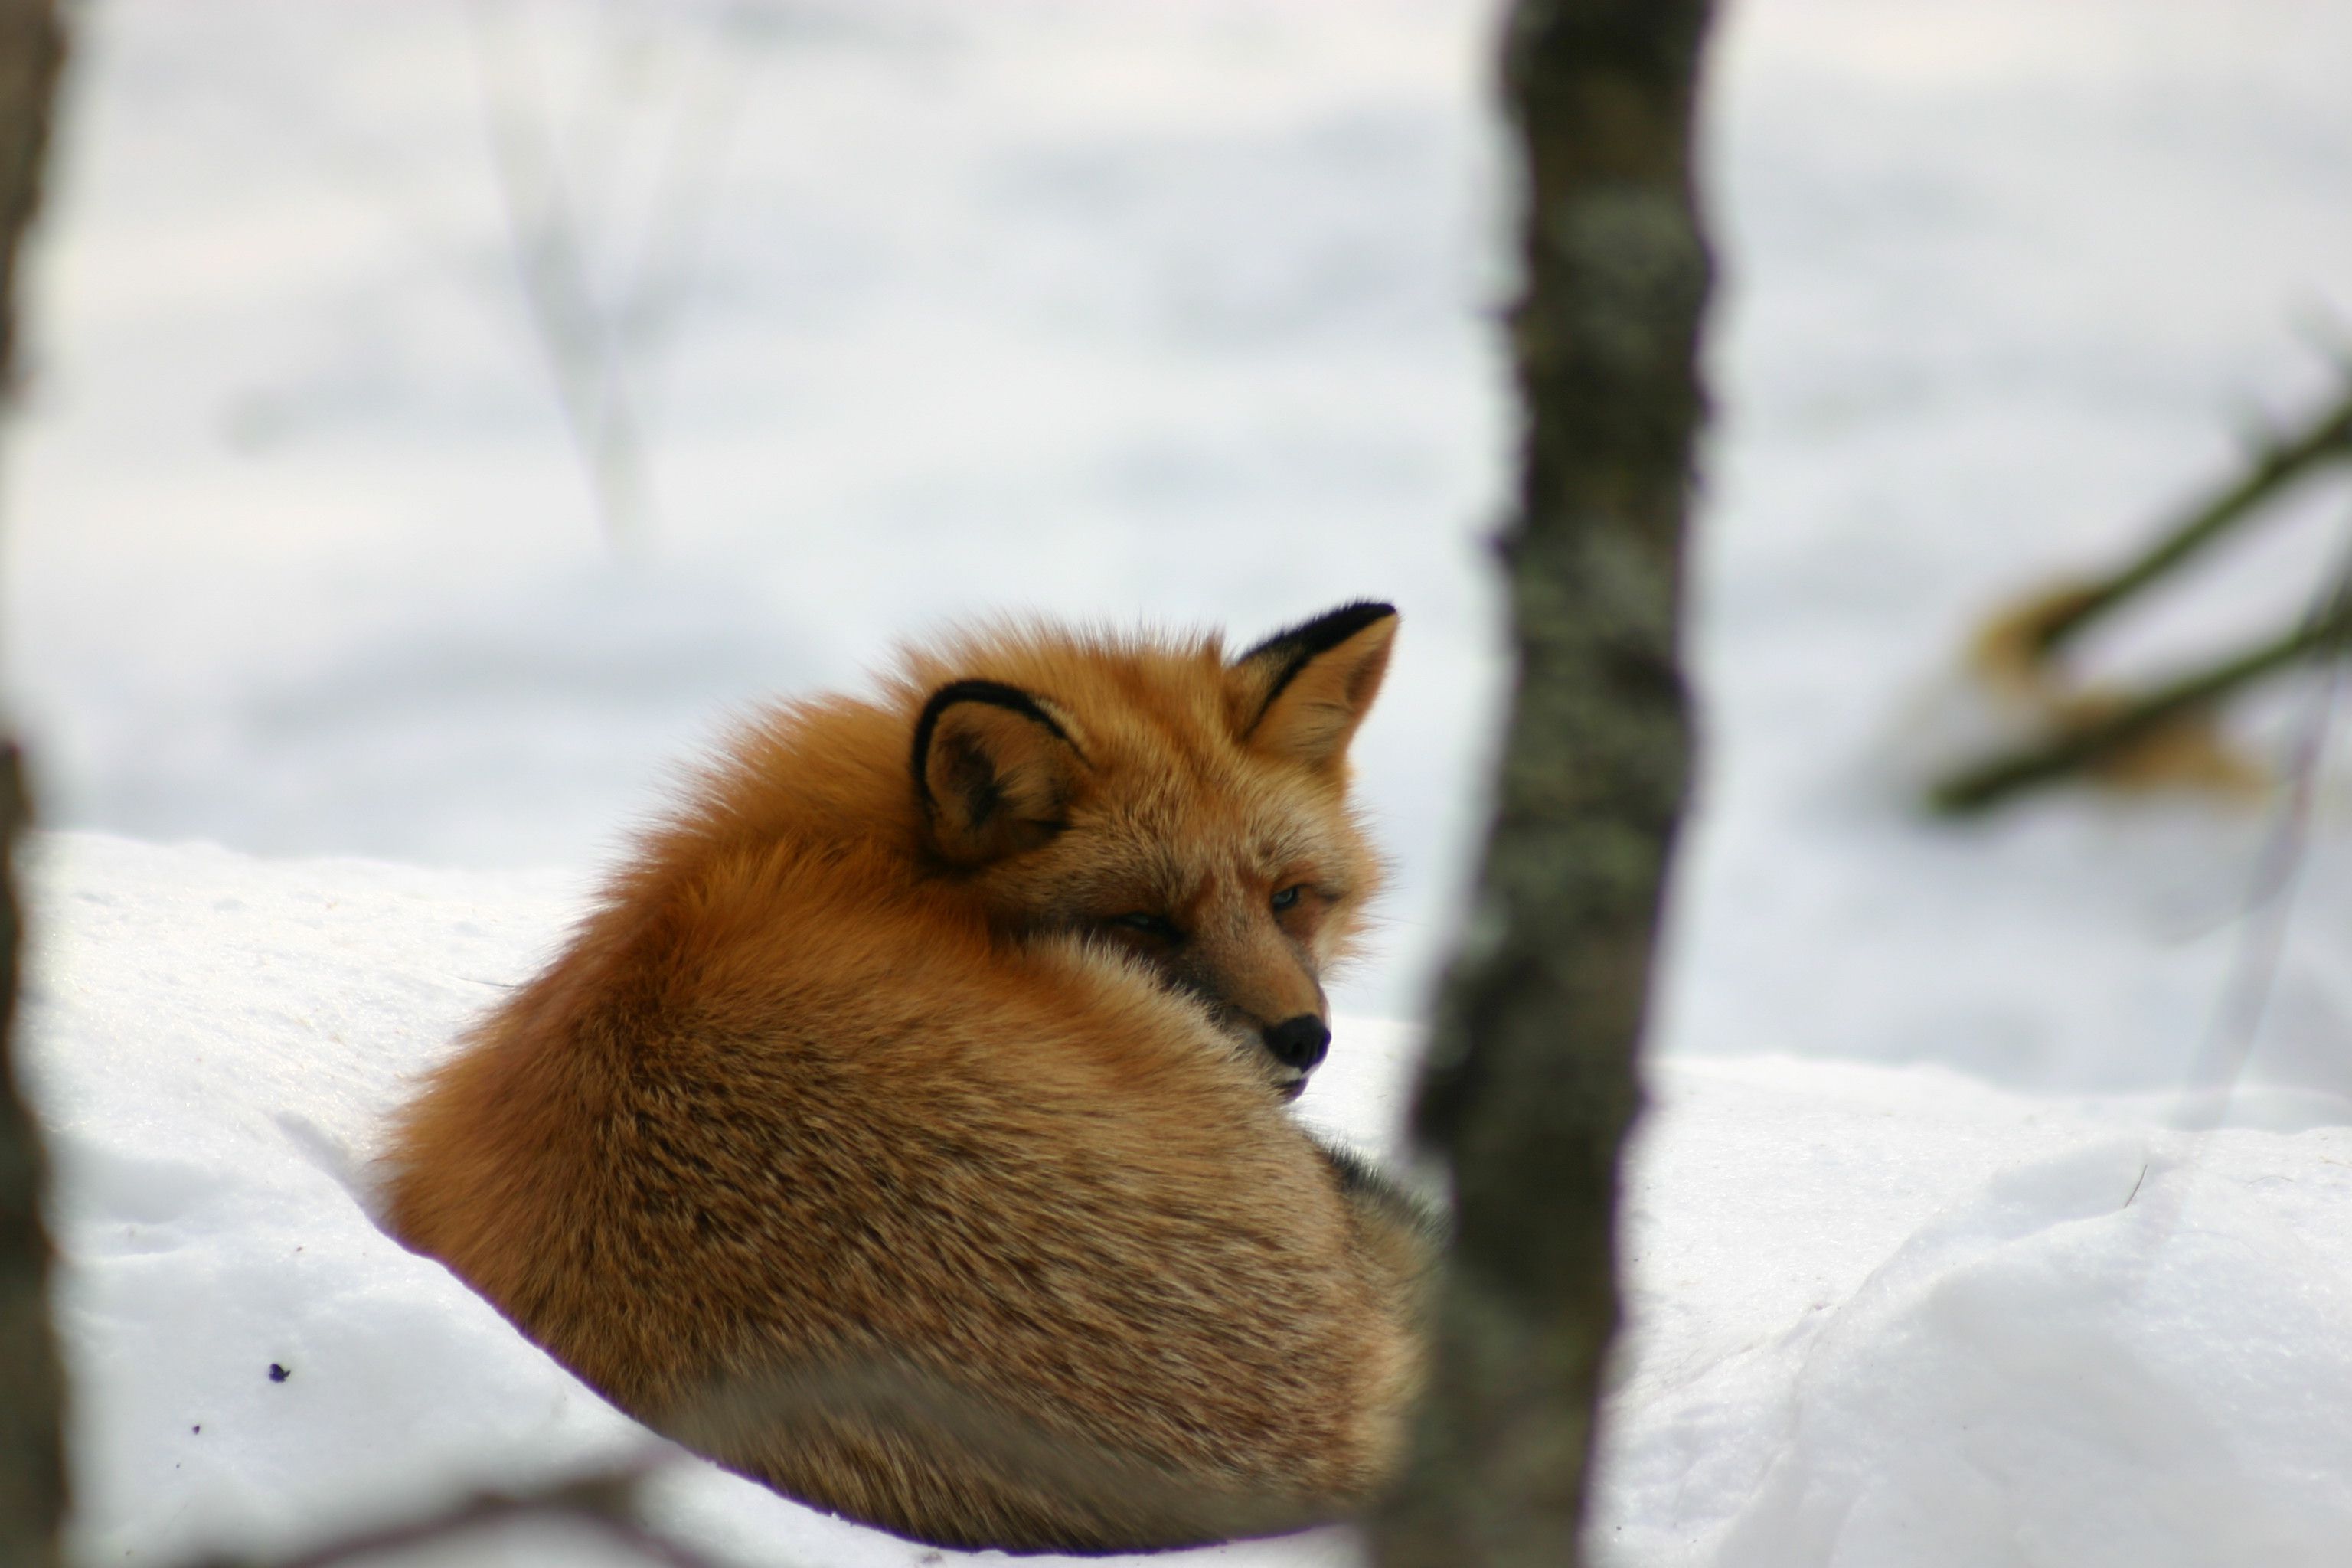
905, 1127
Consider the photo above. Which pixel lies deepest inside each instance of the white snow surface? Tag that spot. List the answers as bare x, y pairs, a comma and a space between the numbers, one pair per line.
1971, 1224
1878, 1314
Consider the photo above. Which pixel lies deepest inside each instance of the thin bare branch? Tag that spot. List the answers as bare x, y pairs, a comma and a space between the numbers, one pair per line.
2130, 721
2326, 438
2269, 908
585, 360
606, 1502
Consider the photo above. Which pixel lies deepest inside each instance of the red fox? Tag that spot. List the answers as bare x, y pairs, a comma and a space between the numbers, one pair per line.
905, 1129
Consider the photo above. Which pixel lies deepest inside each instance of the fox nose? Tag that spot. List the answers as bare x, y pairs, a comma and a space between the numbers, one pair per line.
1298, 1042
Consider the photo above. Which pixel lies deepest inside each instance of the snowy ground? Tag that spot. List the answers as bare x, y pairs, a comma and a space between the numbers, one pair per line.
1882, 1315
1147, 311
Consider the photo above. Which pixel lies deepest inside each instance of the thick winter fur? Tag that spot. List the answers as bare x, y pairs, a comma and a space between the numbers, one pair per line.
906, 1128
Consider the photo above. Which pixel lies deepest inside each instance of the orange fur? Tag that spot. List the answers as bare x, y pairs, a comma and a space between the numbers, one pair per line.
903, 1130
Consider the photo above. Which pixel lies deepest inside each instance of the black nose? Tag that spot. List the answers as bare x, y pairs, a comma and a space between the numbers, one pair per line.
1298, 1042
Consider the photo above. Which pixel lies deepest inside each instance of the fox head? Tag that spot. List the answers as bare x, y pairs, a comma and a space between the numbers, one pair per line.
1190, 809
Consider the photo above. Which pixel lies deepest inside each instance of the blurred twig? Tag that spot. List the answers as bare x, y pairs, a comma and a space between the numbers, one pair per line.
590, 373
994, 1454
597, 350
681, 201
2270, 896
2326, 438
606, 1502
2126, 721
2165, 730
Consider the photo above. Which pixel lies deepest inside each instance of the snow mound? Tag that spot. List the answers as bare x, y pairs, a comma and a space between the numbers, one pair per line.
1896, 1317
2115, 1354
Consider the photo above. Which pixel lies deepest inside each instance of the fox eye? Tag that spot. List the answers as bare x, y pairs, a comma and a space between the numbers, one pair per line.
1149, 924
1288, 898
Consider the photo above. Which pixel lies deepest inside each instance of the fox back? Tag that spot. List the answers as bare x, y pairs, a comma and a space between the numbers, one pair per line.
905, 1127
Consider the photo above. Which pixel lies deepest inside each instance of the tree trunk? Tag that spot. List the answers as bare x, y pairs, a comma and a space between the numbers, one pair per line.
1531, 1084
32, 1393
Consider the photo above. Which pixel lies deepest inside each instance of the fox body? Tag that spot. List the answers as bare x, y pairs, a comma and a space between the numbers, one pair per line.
906, 1128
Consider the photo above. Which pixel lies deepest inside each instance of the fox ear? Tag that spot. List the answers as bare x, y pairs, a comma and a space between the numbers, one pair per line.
993, 771
1300, 694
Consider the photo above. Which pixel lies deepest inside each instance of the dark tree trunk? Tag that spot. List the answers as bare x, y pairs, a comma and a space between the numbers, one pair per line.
1531, 1084
32, 1393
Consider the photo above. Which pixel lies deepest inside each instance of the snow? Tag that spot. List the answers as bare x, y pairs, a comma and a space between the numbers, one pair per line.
1959, 1230
221, 1039
1879, 1314
1992, 1328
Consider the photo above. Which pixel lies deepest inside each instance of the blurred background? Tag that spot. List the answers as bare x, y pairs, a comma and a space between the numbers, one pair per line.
440, 420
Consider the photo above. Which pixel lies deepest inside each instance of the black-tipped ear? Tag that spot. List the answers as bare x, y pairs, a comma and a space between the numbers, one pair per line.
993, 771
1300, 694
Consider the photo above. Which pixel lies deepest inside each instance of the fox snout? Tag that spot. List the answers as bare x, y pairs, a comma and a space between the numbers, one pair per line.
1298, 1045
1299, 1042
